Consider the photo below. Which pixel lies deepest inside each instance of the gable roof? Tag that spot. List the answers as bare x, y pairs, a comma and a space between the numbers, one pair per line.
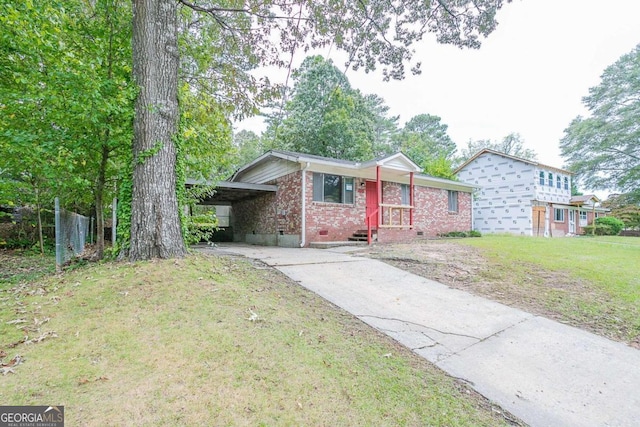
395, 161
394, 166
508, 156
581, 200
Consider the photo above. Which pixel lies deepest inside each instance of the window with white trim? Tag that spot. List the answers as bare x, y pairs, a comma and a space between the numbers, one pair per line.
453, 200
332, 188
558, 215
550, 179
558, 182
405, 193
541, 178
566, 183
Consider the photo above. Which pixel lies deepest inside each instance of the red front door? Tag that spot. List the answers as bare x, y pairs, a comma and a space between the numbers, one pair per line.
372, 203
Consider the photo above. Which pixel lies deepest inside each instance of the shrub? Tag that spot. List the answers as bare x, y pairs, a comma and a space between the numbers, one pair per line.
611, 224
200, 228
472, 233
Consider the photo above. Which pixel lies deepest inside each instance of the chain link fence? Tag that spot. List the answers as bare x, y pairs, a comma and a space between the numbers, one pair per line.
72, 230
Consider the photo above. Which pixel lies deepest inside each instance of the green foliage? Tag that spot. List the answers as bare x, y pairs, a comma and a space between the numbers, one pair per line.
440, 167
67, 101
325, 116
623, 208
125, 196
248, 146
603, 148
425, 140
200, 228
612, 225
471, 233
512, 144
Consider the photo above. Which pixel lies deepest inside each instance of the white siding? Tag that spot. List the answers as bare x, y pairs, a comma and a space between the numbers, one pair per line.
546, 193
503, 204
509, 186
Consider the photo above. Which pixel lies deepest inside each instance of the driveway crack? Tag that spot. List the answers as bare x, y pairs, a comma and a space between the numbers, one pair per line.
420, 325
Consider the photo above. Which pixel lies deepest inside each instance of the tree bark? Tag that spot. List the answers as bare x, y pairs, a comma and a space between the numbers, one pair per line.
155, 221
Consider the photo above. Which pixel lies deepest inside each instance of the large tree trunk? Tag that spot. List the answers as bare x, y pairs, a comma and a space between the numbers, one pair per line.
155, 222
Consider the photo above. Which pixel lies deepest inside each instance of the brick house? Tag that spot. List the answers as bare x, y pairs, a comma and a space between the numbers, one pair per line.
293, 199
521, 196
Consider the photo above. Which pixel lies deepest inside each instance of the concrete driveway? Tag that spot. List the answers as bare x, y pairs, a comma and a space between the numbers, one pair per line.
544, 372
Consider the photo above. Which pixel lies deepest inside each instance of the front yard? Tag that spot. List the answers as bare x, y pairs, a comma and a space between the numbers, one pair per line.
589, 282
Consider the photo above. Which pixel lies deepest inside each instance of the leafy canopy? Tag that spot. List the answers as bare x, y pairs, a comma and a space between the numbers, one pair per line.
512, 144
604, 148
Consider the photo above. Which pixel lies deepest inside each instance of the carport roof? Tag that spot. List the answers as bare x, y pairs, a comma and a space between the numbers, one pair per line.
227, 193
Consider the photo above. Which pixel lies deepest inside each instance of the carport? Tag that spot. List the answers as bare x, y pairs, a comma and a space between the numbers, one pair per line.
224, 196
227, 193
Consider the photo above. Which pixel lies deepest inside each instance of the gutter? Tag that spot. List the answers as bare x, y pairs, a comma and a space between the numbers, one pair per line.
303, 222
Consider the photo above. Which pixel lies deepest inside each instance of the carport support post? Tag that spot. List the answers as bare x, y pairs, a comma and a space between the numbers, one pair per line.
379, 189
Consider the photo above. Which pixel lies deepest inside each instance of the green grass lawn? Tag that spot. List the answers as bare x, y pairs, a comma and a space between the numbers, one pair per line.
608, 269
212, 341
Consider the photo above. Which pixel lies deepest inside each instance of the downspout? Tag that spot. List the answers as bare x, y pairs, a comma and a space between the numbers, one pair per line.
473, 223
303, 219
411, 200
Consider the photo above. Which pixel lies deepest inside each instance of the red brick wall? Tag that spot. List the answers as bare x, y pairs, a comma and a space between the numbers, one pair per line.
431, 216
271, 213
281, 213
332, 222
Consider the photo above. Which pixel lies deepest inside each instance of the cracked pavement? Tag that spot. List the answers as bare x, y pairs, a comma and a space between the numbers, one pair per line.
544, 372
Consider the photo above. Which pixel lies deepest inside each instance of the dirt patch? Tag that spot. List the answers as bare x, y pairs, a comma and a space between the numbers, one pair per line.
552, 294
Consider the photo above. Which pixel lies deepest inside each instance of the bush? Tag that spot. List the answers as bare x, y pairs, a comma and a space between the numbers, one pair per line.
611, 224
472, 233
200, 228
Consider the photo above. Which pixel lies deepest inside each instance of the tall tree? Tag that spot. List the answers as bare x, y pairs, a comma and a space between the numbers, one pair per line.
425, 140
66, 92
155, 221
385, 128
512, 144
248, 145
604, 148
375, 32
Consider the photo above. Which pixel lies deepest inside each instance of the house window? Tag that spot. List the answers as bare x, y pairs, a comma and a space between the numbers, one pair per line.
566, 183
453, 201
541, 178
558, 215
583, 218
405, 190
550, 179
332, 188
558, 182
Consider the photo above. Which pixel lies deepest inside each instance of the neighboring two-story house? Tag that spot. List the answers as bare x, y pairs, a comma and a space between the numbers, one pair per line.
521, 196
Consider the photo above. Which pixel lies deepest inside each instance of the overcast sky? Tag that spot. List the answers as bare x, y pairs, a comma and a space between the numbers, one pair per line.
529, 76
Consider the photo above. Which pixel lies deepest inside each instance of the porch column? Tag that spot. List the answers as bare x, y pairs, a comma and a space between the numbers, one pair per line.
379, 188
411, 199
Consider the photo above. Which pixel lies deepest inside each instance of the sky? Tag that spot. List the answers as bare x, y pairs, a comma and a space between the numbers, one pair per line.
529, 76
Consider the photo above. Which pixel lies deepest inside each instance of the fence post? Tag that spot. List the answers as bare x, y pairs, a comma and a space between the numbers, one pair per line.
59, 248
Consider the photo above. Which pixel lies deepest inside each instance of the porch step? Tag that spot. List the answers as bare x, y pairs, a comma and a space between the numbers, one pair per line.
361, 235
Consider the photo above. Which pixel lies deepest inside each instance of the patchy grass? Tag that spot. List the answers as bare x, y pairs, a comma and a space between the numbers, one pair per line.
589, 282
24, 266
214, 341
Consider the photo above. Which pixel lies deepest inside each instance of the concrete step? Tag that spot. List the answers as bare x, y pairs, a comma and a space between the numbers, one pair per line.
326, 245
